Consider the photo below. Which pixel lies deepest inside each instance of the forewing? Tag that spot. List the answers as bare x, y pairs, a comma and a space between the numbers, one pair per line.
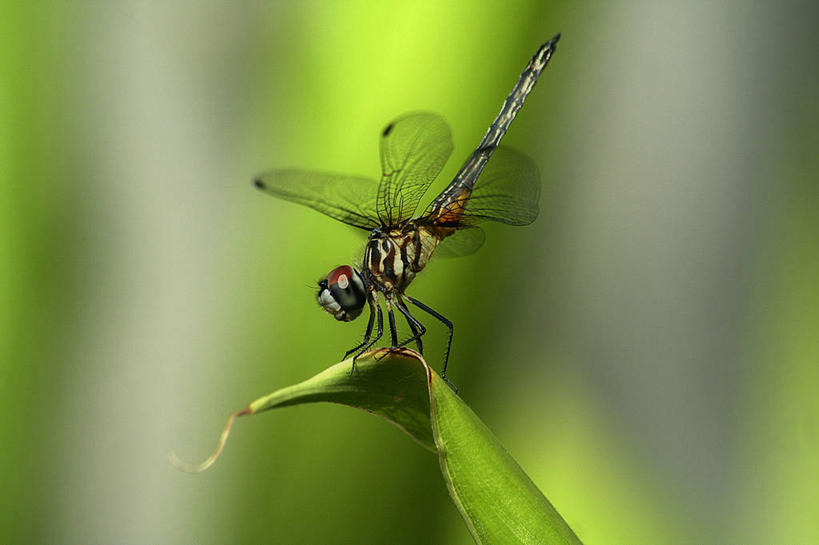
507, 191
414, 149
462, 242
346, 198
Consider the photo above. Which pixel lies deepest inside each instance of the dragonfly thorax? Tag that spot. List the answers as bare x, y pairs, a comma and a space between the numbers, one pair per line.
394, 256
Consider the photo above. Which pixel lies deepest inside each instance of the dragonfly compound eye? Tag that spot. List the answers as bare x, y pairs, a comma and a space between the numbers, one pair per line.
342, 293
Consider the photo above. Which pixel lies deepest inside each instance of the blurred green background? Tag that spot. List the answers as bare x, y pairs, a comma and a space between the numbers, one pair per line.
648, 350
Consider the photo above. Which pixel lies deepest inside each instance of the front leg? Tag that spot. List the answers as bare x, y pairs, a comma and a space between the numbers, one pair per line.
367, 333
379, 332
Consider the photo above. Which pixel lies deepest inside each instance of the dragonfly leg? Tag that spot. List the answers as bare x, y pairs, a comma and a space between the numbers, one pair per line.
449, 325
417, 327
393, 329
367, 333
378, 334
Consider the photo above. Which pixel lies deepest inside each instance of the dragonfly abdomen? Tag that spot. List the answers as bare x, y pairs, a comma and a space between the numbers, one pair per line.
449, 207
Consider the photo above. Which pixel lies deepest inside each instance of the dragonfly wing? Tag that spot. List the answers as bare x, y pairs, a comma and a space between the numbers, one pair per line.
507, 191
414, 149
349, 199
462, 242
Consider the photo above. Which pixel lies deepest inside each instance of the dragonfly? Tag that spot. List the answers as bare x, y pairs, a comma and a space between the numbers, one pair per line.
414, 149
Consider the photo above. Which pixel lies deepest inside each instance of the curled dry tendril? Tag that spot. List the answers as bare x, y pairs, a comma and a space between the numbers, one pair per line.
209, 461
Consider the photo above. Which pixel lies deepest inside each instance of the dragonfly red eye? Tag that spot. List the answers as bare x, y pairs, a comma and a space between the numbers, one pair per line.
342, 293
341, 276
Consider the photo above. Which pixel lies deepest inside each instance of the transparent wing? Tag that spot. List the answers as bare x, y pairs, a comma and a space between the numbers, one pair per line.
414, 149
346, 198
462, 242
507, 191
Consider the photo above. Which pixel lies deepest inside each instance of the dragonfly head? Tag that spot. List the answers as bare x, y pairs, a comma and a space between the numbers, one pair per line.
342, 293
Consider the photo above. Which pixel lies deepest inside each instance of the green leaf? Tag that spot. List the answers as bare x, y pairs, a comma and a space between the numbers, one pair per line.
497, 500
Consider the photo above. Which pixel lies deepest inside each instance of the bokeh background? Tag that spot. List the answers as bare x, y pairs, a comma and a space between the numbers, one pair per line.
648, 349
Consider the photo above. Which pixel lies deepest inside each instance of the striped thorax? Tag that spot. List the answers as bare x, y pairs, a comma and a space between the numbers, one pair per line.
393, 258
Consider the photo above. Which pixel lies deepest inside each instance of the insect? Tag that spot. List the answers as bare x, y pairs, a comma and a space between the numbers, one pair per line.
414, 149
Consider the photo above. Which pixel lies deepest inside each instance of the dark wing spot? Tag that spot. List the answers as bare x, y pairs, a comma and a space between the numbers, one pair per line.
387, 130
260, 184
